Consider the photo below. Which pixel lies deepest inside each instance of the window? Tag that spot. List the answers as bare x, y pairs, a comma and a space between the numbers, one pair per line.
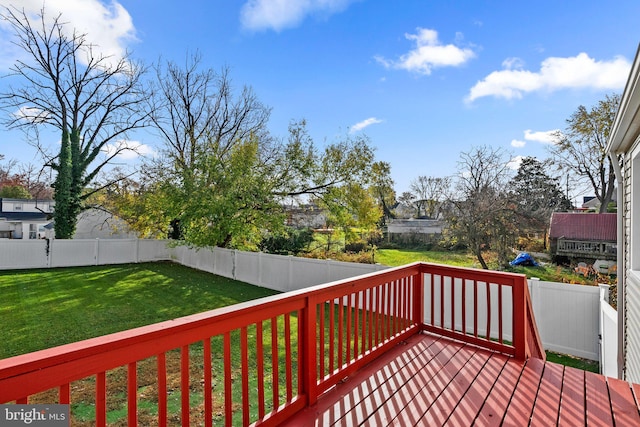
17, 207
33, 231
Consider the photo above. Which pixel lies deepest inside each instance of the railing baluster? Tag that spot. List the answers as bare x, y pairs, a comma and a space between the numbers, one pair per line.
64, 394
288, 360
208, 400
370, 311
321, 352
407, 302
488, 287
184, 384
476, 318
162, 389
228, 397
244, 363
433, 295
453, 303
275, 366
348, 331
362, 295
464, 306
101, 399
356, 304
442, 298
340, 331
378, 304
500, 313
132, 394
260, 367
332, 333
301, 354
387, 311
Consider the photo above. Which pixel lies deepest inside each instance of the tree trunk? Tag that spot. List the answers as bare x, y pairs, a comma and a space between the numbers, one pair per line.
481, 259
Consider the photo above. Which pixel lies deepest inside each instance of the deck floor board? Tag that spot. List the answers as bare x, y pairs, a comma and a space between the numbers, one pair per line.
431, 380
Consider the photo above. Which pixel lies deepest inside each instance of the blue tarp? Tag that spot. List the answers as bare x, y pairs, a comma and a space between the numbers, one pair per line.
524, 258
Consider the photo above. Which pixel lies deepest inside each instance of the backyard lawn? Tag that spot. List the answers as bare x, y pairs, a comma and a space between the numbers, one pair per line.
46, 308
546, 271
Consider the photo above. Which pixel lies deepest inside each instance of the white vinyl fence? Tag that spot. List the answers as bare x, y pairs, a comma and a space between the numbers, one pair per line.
609, 334
568, 316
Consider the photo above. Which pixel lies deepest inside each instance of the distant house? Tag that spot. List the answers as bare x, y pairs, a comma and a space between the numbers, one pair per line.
32, 219
98, 224
306, 216
414, 230
24, 218
583, 236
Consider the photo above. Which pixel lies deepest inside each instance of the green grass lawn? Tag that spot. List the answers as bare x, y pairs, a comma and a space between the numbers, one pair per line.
46, 308
546, 271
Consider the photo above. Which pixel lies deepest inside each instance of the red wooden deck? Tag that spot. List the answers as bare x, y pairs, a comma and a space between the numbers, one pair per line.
433, 381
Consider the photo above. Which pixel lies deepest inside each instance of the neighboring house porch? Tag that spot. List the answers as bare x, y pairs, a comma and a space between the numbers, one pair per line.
583, 236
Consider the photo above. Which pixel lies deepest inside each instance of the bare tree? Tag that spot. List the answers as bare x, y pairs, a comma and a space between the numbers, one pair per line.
430, 192
194, 109
581, 149
481, 216
93, 100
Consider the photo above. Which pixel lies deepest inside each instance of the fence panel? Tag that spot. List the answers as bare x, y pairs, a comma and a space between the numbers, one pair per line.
19, 254
609, 342
72, 253
248, 265
153, 250
567, 317
116, 251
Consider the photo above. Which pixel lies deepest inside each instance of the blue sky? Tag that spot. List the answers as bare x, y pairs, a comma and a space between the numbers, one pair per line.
424, 80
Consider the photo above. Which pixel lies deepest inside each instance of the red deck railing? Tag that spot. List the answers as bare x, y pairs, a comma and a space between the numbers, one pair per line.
262, 361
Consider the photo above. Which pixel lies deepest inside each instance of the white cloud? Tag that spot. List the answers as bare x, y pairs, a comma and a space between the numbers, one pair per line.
31, 114
515, 162
277, 15
517, 143
575, 72
363, 124
429, 53
131, 149
545, 137
107, 25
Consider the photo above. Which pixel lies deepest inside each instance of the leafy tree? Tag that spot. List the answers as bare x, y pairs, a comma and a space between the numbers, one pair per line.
92, 100
536, 196
221, 178
581, 149
429, 194
481, 216
14, 192
382, 189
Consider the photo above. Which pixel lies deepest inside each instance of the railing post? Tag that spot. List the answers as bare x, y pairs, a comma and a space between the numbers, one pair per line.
519, 318
418, 298
308, 357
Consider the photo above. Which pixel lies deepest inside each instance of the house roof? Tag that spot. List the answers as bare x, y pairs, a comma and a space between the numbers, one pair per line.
24, 216
583, 226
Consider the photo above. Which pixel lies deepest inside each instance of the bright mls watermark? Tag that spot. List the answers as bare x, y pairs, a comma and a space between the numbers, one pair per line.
34, 415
